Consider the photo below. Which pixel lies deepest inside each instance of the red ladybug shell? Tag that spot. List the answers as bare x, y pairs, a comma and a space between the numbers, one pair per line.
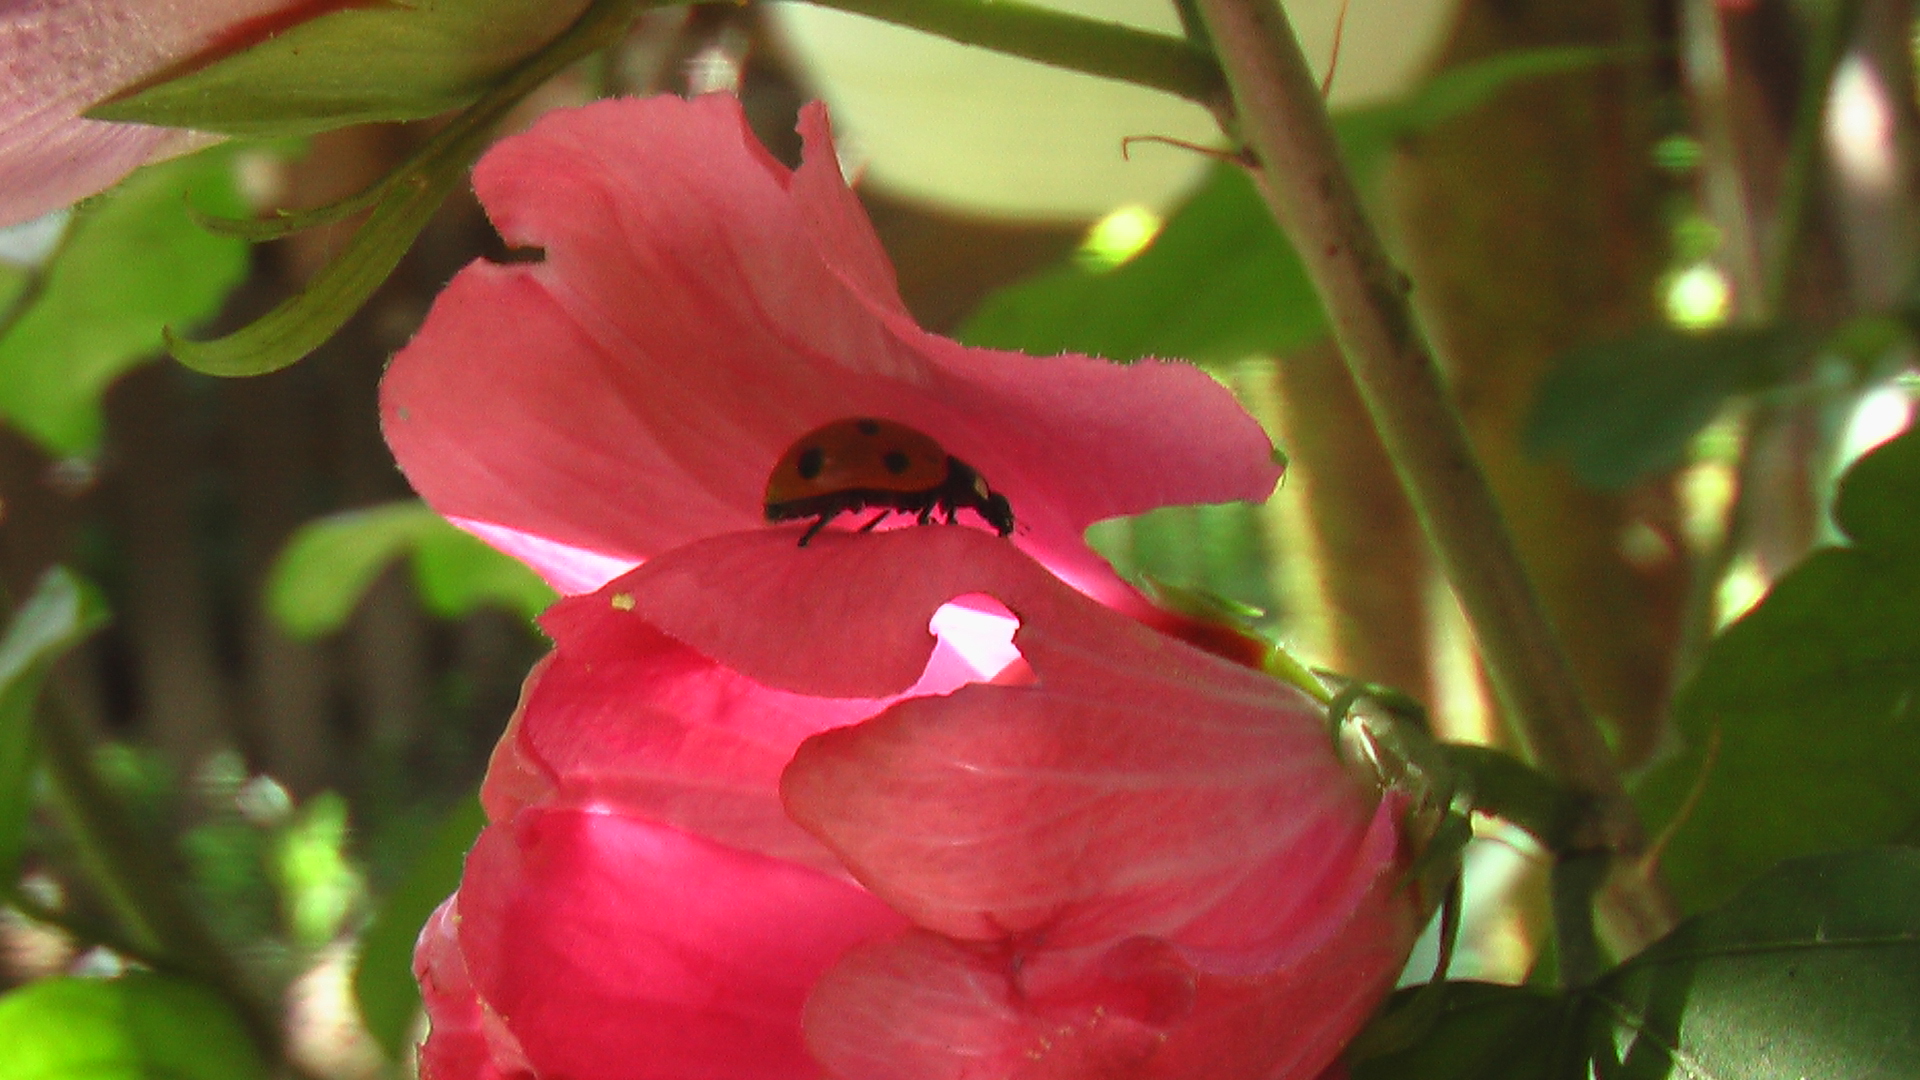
864, 463
875, 455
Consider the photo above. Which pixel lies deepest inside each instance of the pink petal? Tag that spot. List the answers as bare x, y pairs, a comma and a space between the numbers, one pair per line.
699, 308
59, 57
622, 716
614, 948
1136, 785
466, 1043
922, 1007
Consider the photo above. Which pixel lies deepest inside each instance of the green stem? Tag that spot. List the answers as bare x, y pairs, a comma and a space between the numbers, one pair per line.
1307, 187
1803, 152
1094, 46
87, 931
142, 889
1576, 880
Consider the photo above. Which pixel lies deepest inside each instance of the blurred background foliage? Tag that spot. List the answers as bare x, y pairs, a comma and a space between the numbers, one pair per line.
1674, 296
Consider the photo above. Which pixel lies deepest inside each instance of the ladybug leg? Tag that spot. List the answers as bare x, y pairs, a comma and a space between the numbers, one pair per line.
814, 529
876, 519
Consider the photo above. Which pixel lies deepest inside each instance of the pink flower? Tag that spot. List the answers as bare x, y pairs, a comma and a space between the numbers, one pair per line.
59, 57
813, 842
784, 812
698, 308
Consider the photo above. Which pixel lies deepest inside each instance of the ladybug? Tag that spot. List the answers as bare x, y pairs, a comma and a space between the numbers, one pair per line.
851, 465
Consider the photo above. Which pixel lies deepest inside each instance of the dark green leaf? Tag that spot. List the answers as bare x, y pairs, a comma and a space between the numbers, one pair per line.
1484, 1032
1620, 410
1812, 699
1218, 285
60, 613
328, 565
383, 978
134, 263
1365, 134
368, 63
138, 1027
1812, 972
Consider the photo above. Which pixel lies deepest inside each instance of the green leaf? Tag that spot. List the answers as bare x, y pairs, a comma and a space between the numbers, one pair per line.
1812, 972
329, 564
1621, 410
137, 1027
365, 64
301, 324
1484, 1032
1218, 550
1811, 700
61, 613
403, 204
134, 263
1367, 133
1219, 284
456, 573
383, 976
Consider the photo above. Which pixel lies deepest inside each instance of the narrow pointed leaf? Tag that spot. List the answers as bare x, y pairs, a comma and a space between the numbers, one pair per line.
407, 201
364, 64
260, 230
303, 323
60, 613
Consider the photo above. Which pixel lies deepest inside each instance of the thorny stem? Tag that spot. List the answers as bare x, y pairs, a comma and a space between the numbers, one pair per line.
1284, 119
1094, 46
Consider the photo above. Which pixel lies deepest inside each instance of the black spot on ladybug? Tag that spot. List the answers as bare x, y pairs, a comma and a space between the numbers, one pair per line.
867, 427
810, 462
896, 461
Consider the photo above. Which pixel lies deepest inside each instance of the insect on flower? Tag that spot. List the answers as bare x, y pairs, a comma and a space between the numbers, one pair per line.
856, 464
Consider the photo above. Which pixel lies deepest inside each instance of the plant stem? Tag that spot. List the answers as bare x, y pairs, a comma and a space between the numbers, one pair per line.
1284, 119
143, 891
1097, 47
1803, 152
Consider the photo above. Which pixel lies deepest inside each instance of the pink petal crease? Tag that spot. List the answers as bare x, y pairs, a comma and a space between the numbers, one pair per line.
60, 57
697, 308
